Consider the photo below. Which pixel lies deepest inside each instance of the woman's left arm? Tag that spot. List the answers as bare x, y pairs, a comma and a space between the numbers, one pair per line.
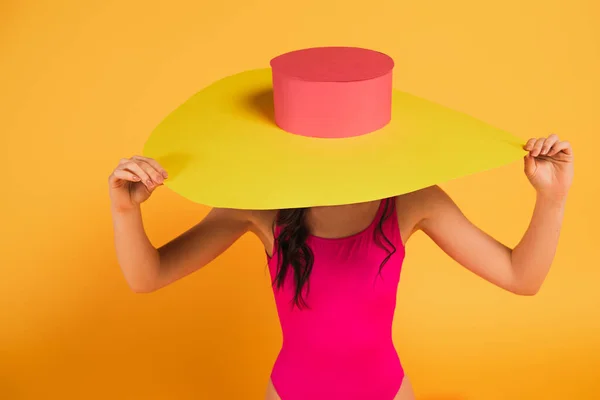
523, 269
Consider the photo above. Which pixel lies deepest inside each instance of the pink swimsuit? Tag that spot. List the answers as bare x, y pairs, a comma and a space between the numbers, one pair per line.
341, 347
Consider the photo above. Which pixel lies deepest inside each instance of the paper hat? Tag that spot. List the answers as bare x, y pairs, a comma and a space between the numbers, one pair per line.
322, 126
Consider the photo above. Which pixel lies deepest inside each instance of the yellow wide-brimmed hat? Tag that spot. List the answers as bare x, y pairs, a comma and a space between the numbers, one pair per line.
323, 126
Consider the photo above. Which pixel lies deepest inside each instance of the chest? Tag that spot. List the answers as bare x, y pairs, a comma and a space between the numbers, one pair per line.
356, 271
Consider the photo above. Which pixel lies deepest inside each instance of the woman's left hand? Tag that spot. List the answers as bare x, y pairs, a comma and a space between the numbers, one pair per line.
549, 166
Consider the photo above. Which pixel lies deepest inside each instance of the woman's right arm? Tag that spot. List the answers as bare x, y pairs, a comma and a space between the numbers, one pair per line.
145, 267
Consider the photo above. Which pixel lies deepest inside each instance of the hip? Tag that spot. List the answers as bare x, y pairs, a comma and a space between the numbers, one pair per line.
405, 392
299, 374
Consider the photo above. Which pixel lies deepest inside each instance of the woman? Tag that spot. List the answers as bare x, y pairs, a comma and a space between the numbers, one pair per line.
335, 269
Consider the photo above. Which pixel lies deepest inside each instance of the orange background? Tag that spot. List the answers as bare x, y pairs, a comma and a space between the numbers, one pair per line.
83, 83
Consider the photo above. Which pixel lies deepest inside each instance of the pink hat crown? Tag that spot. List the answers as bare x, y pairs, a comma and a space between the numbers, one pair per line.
332, 92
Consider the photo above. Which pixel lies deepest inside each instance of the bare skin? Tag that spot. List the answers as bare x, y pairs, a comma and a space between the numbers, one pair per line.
520, 270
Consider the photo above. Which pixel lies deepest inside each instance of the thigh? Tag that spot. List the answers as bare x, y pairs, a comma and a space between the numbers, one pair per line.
271, 392
406, 390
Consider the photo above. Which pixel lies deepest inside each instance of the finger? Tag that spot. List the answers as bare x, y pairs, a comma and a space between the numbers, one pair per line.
537, 147
563, 146
529, 165
529, 145
132, 166
125, 175
548, 143
155, 164
156, 176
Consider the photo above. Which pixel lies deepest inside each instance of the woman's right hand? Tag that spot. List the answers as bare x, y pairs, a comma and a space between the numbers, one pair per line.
133, 181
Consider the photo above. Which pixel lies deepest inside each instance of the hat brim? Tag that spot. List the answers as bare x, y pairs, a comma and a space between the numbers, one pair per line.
222, 148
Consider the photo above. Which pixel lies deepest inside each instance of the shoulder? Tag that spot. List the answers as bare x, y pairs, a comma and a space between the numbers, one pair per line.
258, 222
431, 196
424, 200
253, 219
417, 207
262, 220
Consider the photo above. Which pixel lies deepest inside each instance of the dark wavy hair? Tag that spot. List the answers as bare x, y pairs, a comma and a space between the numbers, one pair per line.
294, 253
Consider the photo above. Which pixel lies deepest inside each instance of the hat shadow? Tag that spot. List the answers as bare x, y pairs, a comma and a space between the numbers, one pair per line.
260, 104
175, 162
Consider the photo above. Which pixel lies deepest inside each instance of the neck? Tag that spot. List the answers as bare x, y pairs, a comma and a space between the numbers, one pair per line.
340, 221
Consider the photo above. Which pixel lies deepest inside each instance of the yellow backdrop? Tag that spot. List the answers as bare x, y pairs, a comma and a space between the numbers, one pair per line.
83, 83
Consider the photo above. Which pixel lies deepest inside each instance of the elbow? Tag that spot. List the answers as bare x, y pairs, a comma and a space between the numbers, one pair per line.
529, 289
528, 292
141, 285
141, 289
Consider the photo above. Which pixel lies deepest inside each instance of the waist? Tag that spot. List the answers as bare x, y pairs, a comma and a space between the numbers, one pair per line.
329, 331
337, 349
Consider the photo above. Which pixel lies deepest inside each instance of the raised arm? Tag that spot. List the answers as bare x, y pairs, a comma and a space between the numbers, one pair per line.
145, 267
522, 269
